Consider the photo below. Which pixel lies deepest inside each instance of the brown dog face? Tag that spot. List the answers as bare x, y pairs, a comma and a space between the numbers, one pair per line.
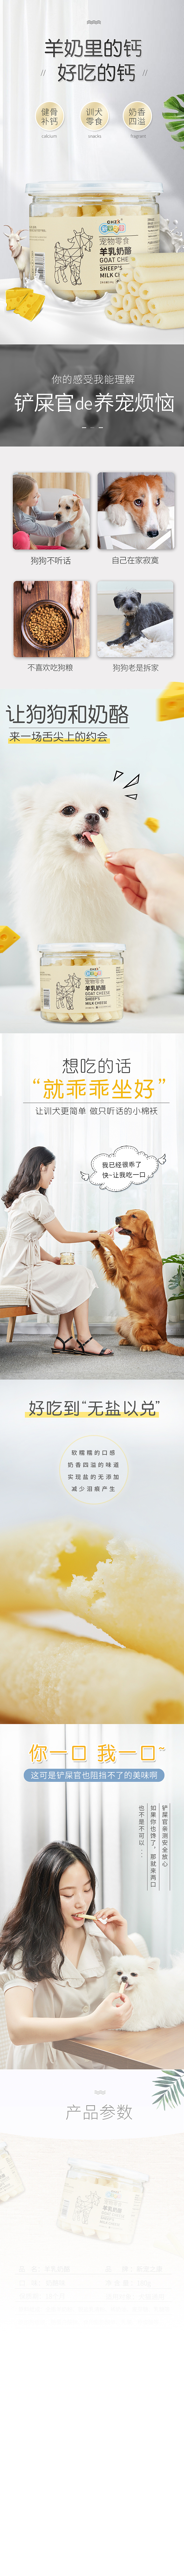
139, 494
137, 1225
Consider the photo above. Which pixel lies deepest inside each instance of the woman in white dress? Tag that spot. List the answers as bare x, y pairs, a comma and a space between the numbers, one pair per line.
60, 1967
23, 1252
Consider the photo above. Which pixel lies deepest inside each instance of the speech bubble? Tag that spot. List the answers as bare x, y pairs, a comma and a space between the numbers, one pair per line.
123, 1170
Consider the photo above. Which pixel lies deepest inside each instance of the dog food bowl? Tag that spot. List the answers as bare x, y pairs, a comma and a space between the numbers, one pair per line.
83, 245
85, 986
45, 627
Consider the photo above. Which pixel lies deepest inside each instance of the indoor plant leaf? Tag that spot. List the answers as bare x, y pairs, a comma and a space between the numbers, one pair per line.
173, 113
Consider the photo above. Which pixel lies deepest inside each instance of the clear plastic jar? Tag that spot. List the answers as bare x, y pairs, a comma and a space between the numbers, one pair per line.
173, 1278
85, 986
67, 1259
83, 245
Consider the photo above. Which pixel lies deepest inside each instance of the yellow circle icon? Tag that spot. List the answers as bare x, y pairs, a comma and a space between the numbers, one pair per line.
94, 115
49, 116
137, 115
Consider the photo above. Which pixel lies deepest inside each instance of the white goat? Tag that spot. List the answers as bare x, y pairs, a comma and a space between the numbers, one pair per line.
19, 252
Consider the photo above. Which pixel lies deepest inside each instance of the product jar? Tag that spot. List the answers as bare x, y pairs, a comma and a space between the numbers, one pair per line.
173, 1278
85, 986
83, 244
67, 1259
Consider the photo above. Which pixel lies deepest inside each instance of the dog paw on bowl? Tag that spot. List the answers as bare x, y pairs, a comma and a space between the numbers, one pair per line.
76, 598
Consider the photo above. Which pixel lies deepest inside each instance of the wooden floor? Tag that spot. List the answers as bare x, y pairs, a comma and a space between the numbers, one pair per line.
76, 647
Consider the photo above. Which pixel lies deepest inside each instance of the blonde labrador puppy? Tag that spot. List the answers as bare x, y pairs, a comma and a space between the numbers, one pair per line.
73, 519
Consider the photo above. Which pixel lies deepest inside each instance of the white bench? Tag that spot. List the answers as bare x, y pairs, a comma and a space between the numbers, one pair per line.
10, 1298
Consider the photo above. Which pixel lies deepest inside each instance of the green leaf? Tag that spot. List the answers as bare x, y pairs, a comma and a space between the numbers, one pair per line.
173, 114
174, 102
169, 2089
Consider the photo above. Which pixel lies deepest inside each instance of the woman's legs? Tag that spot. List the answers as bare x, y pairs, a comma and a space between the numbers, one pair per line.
82, 1329
82, 1326
64, 1331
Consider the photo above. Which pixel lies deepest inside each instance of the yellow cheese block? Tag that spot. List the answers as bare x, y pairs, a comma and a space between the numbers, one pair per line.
7, 937
20, 299
171, 703
151, 824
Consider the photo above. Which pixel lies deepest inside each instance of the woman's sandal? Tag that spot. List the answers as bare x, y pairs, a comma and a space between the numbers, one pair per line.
102, 1354
59, 1345
99, 1355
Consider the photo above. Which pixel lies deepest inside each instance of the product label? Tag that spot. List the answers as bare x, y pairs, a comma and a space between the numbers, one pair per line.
82, 988
84, 253
100, 2205
10, 2181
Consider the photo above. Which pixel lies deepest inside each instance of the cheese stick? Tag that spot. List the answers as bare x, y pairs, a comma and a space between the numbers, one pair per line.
41, 1671
99, 844
153, 291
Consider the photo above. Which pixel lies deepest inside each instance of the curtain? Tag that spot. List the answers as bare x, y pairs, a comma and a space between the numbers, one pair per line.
27, 24
73, 482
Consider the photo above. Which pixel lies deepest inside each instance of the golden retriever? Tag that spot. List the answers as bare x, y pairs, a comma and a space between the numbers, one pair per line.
136, 1271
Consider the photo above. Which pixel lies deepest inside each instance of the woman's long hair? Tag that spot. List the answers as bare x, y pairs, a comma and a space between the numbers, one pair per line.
36, 1925
28, 1175
23, 485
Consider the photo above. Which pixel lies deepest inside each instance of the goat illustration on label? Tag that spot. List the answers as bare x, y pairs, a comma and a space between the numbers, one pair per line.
70, 256
65, 992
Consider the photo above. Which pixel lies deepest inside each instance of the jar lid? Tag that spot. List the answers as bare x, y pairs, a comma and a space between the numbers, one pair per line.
121, 188
93, 948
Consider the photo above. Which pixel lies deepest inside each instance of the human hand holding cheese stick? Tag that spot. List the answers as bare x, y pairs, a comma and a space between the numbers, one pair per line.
153, 884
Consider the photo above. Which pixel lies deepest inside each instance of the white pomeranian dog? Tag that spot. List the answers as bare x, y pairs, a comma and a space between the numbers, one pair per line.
157, 1994
64, 891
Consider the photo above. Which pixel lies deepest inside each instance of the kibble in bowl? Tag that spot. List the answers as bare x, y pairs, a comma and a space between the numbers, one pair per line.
46, 626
